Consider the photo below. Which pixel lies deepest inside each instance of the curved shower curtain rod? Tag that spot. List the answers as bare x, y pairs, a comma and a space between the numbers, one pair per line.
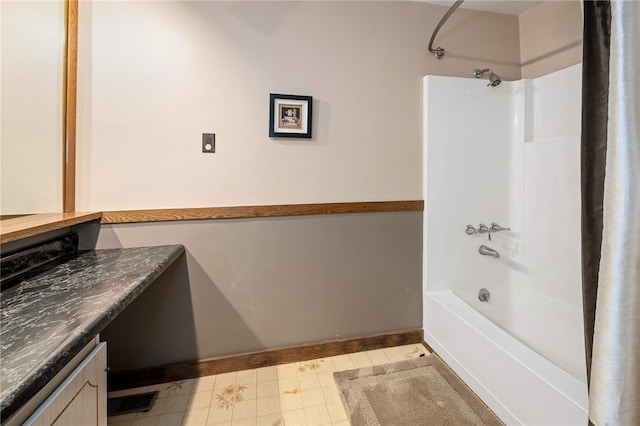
439, 51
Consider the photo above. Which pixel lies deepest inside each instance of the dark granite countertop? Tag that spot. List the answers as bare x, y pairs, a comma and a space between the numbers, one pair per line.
46, 320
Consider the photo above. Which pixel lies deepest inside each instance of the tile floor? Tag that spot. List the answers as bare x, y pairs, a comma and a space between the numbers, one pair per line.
295, 394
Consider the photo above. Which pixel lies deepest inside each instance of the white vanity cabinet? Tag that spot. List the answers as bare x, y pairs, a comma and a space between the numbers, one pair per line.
81, 399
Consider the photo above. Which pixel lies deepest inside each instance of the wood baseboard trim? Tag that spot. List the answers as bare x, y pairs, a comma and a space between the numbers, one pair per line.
235, 212
192, 369
429, 348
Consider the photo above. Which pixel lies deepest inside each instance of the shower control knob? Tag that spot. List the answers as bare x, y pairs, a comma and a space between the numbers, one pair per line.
484, 229
470, 230
495, 228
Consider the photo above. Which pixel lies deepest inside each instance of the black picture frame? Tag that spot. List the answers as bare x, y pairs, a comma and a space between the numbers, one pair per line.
290, 116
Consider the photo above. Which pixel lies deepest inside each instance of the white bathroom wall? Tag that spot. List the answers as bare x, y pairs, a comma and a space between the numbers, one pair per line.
552, 220
509, 154
154, 75
473, 175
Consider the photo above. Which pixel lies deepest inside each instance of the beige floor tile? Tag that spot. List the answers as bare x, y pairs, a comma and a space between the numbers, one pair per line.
286, 371
250, 392
309, 381
326, 379
244, 410
337, 412
196, 417
271, 420
265, 389
289, 385
267, 374
181, 387
268, 405
294, 394
203, 384
331, 395
317, 416
414, 351
310, 367
342, 362
378, 357
175, 404
174, 419
120, 422
291, 402
162, 388
146, 421
326, 366
394, 354
294, 418
156, 409
200, 400
312, 398
245, 422
121, 418
228, 395
360, 360
224, 380
247, 377
219, 415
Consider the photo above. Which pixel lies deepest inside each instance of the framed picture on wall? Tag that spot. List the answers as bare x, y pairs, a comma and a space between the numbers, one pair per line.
290, 116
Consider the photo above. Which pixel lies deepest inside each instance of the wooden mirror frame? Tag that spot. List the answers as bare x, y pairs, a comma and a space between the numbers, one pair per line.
69, 107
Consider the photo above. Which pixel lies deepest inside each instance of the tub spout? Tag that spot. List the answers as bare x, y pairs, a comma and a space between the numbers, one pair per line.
488, 251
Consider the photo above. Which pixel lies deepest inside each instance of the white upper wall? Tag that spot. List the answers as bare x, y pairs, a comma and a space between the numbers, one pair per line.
153, 76
550, 37
496, 6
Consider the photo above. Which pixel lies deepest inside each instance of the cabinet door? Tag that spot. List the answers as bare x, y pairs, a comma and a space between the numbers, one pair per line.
81, 399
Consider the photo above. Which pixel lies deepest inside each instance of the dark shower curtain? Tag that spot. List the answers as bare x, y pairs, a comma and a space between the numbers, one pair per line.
595, 108
610, 161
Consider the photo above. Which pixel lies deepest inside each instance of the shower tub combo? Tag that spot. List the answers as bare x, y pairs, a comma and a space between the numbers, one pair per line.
502, 297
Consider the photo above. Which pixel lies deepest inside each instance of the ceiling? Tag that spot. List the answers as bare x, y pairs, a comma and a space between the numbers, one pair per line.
509, 7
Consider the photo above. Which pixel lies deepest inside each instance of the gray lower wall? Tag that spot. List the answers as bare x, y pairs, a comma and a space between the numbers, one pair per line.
263, 283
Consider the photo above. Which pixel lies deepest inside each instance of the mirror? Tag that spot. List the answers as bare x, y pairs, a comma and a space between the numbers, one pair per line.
34, 93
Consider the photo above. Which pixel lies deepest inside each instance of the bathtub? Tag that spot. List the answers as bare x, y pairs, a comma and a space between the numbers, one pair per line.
507, 154
518, 384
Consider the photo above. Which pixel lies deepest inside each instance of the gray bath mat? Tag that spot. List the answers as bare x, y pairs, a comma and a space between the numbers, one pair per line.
422, 391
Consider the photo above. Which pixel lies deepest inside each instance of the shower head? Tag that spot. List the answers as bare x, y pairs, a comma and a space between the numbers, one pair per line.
494, 80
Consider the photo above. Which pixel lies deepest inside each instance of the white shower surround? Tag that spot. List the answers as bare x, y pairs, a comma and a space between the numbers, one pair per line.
508, 154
